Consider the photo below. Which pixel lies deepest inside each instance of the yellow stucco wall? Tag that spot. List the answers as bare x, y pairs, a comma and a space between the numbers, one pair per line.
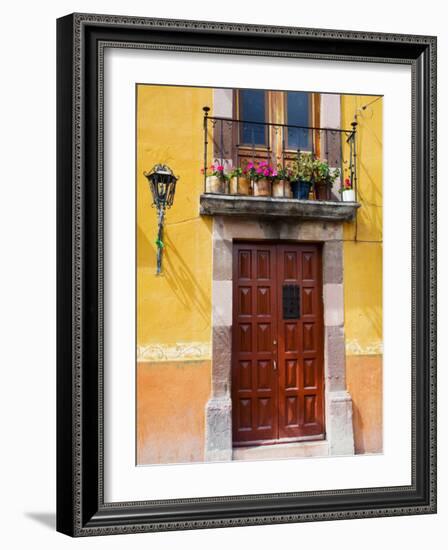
363, 275
175, 307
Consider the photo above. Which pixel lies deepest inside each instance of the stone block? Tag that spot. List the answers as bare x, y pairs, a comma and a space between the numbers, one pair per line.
286, 450
223, 102
218, 430
236, 228
221, 360
222, 303
277, 208
319, 231
335, 358
222, 260
332, 260
218, 228
333, 305
340, 423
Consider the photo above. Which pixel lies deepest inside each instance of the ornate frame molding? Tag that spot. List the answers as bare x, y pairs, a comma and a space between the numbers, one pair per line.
81, 42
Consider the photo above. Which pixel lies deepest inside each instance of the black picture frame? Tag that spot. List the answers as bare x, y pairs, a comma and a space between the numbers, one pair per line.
81, 510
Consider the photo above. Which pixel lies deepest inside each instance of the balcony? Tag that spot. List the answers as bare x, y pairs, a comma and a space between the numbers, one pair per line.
214, 204
278, 171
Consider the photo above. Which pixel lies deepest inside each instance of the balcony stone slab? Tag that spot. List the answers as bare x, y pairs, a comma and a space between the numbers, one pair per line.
276, 208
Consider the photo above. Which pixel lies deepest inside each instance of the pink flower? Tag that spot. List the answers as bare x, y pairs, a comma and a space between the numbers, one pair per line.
250, 166
220, 168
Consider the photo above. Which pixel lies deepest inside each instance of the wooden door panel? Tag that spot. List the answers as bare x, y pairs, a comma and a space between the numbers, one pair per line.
291, 374
245, 300
308, 267
309, 298
309, 374
309, 338
255, 385
263, 264
245, 337
264, 338
263, 302
292, 409
244, 371
300, 345
264, 375
271, 404
290, 265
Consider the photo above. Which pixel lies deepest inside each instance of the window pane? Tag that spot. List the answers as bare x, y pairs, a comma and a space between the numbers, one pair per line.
253, 108
298, 113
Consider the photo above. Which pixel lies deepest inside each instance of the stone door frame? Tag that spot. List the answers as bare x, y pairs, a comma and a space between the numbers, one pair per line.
338, 403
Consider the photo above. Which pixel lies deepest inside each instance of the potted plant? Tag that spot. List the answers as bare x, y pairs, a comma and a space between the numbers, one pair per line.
261, 177
302, 176
324, 177
216, 181
348, 193
281, 186
239, 182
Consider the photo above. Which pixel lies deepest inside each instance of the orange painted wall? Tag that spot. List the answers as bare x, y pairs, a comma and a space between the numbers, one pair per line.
365, 383
170, 411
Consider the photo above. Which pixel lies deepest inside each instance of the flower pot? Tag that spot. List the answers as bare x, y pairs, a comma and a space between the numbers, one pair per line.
323, 192
300, 189
262, 188
281, 188
213, 184
240, 186
348, 195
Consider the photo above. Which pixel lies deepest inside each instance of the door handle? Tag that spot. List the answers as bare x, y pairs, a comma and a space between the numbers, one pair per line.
274, 364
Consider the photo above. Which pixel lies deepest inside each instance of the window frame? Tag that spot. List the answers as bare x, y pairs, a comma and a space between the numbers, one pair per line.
313, 121
275, 112
238, 115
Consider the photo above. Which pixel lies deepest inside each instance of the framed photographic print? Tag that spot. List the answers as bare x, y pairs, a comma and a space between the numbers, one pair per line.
246, 274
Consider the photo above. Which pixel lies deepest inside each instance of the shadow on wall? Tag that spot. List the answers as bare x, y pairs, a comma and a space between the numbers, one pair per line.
370, 146
369, 219
183, 282
370, 321
176, 271
358, 431
146, 255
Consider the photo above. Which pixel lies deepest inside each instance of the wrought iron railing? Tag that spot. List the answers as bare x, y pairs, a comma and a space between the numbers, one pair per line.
232, 143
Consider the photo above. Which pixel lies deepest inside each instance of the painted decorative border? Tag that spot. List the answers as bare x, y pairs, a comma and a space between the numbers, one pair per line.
181, 351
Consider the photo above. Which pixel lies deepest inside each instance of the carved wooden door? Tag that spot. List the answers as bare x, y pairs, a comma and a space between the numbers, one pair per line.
277, 355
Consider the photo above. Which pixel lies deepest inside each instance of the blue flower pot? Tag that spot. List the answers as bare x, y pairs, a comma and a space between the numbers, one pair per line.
300, 189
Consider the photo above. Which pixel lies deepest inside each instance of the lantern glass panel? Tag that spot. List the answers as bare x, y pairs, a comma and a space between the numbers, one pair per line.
163, 184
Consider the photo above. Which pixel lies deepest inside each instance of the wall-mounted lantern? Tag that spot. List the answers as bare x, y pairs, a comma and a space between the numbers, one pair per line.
162, 183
